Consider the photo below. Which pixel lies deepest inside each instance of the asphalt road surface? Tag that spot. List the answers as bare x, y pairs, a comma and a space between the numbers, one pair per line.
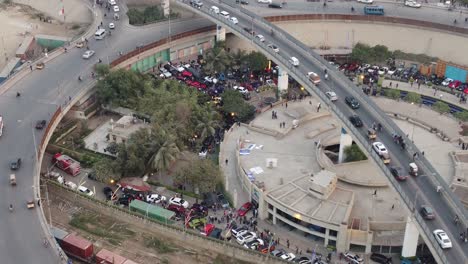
419, 189
43, 91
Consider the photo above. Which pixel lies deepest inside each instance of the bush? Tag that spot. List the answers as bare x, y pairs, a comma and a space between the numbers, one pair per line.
148, 15
412, 97
441, 107
354, 153
462, 116
393, 93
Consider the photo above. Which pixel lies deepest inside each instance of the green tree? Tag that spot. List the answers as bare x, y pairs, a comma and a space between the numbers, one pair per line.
165, 155
233, 103
441, 107
393, 93
104, 170
256, 61
200, 174
102, 69
463, 116
413, 97
237, 59
361, 53
354, 153
207, 125
217, 60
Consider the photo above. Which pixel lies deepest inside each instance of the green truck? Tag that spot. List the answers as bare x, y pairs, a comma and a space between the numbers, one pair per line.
151, 211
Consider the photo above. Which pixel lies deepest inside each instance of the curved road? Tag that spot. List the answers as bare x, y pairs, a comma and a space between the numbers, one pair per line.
43, 91
422, 186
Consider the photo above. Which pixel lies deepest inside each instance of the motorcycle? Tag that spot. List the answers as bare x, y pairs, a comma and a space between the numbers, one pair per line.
18, 94
11, 208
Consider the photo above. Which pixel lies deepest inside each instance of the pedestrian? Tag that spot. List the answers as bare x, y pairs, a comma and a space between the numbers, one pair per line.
375, 193
393, 206
286, 104
30, 67
287, 243
281, 124
227, 161
396, 86
101, 23
390, 84
297, 250
419, 85
318, 107
300, 252
422, 153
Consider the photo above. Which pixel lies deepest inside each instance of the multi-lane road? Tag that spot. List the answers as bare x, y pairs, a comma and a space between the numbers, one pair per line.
420, 190
43, 91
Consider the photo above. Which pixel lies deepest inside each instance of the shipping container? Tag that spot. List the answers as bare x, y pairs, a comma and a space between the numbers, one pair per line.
77, 247
152, 211
59, 234
107, 257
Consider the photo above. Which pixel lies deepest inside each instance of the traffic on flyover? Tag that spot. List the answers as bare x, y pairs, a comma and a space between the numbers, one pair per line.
304, 63
42, 92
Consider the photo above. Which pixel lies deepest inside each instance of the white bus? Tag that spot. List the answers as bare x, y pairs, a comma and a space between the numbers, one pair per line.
1, 126
100, 34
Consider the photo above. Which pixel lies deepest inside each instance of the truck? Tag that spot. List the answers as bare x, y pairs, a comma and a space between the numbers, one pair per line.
66, 164
152, 211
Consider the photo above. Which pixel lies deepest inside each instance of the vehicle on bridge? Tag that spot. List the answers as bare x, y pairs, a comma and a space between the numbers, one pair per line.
412, 3
13, 179
413, 169
1, 126
374, 10
371, 134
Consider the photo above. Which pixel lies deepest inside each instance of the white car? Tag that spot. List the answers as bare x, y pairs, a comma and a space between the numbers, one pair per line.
412, 3
260, 37
155, 198
365, 1
447, 81
88, 54
234, 20
265, 1
85, 190
178, 201
380, 148
179, 68
111, 25
241, 89
288, 256
332, 96
273, 47
71, 185
442, 238
383, 70
246, 237
112, 2
116, 8
353, 258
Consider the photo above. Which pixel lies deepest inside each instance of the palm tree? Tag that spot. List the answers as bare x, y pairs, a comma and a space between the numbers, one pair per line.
166, 154
207, 124
237, 59
217, 60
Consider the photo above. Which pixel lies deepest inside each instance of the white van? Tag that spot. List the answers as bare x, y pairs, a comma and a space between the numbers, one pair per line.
100, 34
234, 20
224, 14
294, 61
214, 9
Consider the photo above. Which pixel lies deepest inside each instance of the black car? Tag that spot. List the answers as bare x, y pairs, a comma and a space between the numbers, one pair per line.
352, 102
427, 212
356, 120
242, 2
379, 258
224, 203
399, 173
107, 192
15, 164
40, 124
209, 199
275, 5
216, 233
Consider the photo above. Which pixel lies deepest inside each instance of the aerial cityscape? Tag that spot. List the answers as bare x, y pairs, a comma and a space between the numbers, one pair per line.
234, 131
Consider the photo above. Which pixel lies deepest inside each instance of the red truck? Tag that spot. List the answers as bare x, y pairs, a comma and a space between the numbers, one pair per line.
78, 247
67, 164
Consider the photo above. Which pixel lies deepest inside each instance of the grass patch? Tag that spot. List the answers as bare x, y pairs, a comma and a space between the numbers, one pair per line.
160, 246
223, 259
101, 226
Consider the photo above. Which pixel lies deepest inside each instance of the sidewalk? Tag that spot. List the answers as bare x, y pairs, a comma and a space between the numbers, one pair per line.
424, 90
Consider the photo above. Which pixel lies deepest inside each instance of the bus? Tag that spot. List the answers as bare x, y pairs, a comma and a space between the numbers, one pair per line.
1, 126
374, 10
100, 34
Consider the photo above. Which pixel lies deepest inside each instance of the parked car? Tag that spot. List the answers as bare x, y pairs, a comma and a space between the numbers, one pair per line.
442, 238
71, 185
178, 209
455, 84
365, 1
179, 201
108, 192
254, 244
352, 102
196, 222
216, 233
379, 258
411, 3
85, 190
356, 121
224, 203
116, 8
155, 198
427, 212
447, 81
288, 256
242, 2
399, 173
239, 231
244, 209
246, 237
40, 124
353, 258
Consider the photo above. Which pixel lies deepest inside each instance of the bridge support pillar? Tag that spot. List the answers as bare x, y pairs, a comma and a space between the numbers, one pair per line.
166, 7
282, 80
410, 240
345, 141
220, 33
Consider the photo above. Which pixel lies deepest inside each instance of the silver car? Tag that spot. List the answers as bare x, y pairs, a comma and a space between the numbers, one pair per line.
88, 54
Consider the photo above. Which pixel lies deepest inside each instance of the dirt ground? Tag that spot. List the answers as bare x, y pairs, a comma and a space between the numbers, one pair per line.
20, 20
137, 244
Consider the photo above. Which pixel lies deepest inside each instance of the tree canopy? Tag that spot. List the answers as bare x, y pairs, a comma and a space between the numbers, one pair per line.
234, 104
201, 174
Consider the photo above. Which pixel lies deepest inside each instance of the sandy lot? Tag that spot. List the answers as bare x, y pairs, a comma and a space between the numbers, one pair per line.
20, 20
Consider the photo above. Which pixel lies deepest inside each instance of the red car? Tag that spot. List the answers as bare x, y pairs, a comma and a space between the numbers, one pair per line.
187, 74
207, 229
353, 67
248, 86
455, 84
244, 209
179, 210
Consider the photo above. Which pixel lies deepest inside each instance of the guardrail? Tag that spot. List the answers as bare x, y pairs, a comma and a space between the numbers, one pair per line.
373, 109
